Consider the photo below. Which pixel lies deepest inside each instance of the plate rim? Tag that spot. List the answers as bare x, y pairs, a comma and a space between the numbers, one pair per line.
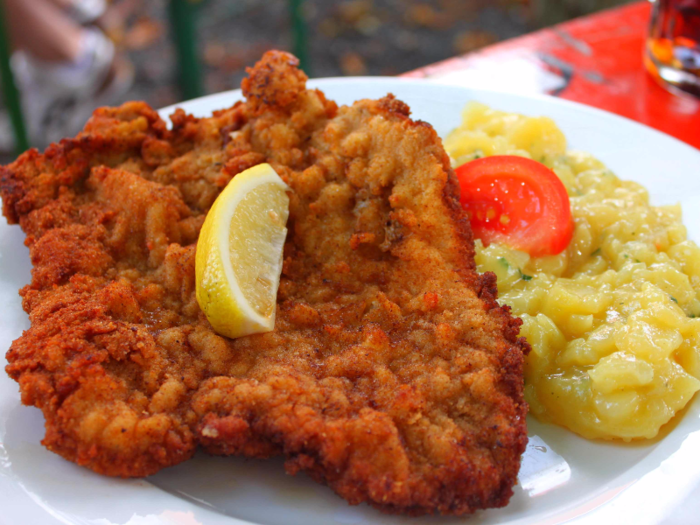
549, 99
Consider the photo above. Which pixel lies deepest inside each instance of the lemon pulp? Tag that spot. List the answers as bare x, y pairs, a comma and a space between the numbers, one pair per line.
256, 253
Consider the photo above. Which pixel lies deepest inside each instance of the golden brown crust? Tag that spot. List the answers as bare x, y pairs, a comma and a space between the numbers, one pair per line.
274, 83
392, 375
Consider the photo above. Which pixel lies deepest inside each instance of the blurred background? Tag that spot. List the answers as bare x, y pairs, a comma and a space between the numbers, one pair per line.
344, 37
335, 37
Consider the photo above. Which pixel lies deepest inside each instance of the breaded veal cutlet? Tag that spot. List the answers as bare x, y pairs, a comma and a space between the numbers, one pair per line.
392, 375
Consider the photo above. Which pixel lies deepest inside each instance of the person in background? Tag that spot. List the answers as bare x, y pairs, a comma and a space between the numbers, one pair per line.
64, 65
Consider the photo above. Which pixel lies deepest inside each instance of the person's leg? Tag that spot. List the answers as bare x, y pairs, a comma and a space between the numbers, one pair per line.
44, 30
64, 70
65, 4
83, 11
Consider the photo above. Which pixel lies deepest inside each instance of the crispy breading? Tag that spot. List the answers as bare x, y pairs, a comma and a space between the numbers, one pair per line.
392, 374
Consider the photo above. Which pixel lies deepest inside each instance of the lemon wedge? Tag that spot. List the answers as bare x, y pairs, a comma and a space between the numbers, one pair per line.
239, 253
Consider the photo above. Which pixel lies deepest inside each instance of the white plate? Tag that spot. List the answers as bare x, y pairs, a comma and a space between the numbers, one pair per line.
564, 477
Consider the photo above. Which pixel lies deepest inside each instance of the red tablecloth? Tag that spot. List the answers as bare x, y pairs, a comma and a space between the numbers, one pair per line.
598, 61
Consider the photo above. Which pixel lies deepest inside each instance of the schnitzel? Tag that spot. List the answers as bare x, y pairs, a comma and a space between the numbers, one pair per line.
392, 375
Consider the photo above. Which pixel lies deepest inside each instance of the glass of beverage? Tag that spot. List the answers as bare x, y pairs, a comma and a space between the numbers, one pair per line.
673, 46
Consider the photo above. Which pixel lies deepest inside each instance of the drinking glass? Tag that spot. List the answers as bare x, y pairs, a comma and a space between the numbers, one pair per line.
673, 45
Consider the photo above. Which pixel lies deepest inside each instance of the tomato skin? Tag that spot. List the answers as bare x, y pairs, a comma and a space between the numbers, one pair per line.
517, 202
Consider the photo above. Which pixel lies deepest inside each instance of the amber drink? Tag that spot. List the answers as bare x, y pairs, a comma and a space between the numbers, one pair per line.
673, 45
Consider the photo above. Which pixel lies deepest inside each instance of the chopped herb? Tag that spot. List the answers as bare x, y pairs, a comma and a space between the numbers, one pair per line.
637, 260
673, 299
626, 256
504, 262
692, 316
597, 252
524, 276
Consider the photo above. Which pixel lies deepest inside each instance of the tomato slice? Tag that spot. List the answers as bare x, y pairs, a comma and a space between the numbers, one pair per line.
517, 202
